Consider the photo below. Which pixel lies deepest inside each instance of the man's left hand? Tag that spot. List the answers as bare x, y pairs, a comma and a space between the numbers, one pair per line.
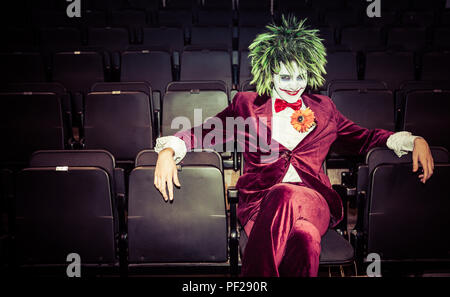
422, 154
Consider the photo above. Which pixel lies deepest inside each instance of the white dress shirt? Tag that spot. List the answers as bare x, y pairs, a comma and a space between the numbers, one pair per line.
283, 132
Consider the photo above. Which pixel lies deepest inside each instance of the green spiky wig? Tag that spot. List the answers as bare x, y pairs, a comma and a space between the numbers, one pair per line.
291, 41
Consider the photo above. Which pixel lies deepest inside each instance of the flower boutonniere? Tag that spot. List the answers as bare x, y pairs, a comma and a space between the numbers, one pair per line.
302, 120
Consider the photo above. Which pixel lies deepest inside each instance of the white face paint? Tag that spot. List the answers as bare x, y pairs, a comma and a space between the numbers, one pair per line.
289, 86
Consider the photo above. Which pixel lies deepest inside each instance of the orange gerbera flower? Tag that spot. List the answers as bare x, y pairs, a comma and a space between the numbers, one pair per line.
302, 120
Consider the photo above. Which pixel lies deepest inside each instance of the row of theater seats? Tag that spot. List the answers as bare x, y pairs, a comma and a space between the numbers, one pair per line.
174, 39
79, 70
334, 13
69, 202
125, 118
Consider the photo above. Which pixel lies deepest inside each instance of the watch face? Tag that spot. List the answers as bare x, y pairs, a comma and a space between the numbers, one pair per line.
289, 84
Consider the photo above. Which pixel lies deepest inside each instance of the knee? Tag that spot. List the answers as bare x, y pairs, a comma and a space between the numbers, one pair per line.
306, 233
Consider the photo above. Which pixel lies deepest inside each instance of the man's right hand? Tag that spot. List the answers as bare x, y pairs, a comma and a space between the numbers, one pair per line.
166, 173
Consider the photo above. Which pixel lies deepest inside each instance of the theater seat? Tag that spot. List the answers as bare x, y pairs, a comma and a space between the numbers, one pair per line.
190, 232
400, 218
66, 203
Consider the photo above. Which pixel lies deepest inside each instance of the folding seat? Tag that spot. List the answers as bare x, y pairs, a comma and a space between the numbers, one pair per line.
312, 15
66, 202
407, 38
387, 18
171, 38
340, 65
94, 18
47, 87
191, 232
426, 114
250, 18
336, 250
394, 219
128, 18
52, 18
22, 67
245, 69
77, 71
29, 121
361, 38
362, 85
367, 108
184, 97
418, 18
327, 35
391, 67
410, 86
436, 66
441, 38
247, 35
202, 36
120, 122
146, 5
215, 17
342, 18
153, 67
206, 64
174, 17
60, 39
110, 39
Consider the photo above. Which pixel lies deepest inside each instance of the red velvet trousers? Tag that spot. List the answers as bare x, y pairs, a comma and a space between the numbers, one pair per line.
284, 238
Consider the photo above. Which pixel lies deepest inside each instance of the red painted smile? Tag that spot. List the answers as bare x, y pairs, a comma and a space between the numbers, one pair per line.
292, 93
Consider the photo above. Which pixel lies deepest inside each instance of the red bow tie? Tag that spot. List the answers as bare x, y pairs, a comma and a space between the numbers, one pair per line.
281, 105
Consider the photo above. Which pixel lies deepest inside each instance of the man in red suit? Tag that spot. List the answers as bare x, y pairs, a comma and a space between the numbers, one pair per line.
286, 202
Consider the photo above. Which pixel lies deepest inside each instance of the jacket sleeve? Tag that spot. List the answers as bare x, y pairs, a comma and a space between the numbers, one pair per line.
356, 140
213, 133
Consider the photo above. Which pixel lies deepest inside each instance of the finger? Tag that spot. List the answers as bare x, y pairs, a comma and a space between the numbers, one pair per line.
155, 181
162, 188
430, 168
425, 170
170, 187
176, 181
415, 158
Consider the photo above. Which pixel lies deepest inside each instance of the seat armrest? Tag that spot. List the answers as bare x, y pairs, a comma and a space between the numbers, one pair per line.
233, 195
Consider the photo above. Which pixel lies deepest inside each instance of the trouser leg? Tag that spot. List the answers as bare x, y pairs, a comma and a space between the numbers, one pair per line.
285, 236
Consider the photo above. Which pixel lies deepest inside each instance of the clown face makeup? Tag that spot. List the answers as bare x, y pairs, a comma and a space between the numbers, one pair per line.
289, 85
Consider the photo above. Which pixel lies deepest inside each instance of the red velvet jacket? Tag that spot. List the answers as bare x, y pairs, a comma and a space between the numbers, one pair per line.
307, 157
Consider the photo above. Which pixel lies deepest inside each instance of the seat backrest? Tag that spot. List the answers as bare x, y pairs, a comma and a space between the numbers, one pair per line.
341, 65
29, 122
206, 157
406, 218
390, 67
153, 67
408, 38
191, 229
171, 38
72, 158
119, 122
64, 211
426, 114
355, 85
77, 71
209, 98
111, 39
361, 38
436, 66
368, 108
206, 65
203, 35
